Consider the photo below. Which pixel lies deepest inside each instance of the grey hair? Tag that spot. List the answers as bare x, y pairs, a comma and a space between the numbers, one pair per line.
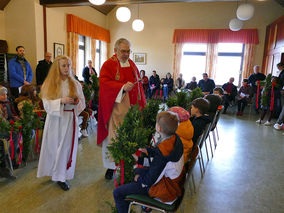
3, 90
121, 40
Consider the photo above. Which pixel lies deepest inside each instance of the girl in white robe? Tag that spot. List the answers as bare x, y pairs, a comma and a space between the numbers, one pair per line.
63, 101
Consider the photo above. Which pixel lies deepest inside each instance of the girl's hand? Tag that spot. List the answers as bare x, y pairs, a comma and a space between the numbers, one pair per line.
76, 101
67, 100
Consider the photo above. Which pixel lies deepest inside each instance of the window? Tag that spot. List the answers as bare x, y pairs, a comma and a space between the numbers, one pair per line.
193, 61
98, 59
229, 63
82, 56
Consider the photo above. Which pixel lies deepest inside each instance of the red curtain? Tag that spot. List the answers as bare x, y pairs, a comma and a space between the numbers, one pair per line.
83, 27
245, 36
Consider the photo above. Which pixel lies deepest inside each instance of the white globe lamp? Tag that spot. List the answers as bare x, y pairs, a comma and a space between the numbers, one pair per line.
97, 2
138, 25
235, 24
123, 14
245, 12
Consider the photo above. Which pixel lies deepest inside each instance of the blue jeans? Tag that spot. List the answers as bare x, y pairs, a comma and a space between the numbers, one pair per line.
166, 91
122, 191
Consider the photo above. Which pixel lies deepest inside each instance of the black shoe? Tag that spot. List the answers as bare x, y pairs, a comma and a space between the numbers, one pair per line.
109, 174
64, 185
7, 173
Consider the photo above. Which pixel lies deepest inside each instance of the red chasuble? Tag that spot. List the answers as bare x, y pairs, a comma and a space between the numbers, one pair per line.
112, 78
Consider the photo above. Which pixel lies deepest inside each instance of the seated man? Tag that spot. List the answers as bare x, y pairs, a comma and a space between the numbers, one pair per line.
206, 84
192, 85
244, 96
230, 93
164, 178
154, 84
180, 83
199, 119
88, 71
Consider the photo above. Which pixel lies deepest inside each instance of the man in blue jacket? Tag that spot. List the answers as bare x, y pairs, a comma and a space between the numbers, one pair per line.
20, 72
206, 84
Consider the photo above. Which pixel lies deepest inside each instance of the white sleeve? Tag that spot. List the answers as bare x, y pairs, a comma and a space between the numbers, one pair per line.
120, 96
53, 107
82, 104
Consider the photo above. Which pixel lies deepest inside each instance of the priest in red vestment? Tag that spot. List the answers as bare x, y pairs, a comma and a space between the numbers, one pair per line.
120, 88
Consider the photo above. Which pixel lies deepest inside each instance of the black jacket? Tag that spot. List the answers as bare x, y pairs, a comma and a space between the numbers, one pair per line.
191, 86
42, 70
170, 83
199, 124
155, 81
253, 78
86, 74
234, 91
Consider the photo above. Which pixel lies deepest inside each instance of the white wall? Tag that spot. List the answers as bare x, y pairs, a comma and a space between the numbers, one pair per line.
57, 26
161, 19
20, 28
2, 26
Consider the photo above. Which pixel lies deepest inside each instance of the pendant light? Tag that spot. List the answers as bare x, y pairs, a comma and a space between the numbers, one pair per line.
123, 14
138, 24
97, 2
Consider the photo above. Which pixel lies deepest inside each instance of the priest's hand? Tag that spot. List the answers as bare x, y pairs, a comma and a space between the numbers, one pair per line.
67, 100
136, 177
128, 86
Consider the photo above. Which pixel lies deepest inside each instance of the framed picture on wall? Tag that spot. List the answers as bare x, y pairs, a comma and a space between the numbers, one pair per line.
139, 58
58, 49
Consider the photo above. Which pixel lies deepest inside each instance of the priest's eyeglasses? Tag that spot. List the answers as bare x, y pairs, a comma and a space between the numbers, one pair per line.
125, 51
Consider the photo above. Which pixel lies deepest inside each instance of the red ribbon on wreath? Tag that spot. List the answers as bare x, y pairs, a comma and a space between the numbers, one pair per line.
11, 139
20, 142
37, 147
121, 174
272, 97
257, 94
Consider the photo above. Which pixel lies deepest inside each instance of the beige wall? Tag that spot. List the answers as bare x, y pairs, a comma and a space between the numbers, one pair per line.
2, 26
161, 19
56, 22
20, 28
21, 23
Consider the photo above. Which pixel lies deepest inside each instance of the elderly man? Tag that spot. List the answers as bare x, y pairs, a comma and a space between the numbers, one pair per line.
20, 72
88, 71
42, 69
252, 80
120, 88
206, 84
180, 83
230, 92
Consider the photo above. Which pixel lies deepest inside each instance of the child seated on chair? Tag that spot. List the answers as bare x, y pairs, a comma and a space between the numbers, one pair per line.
214, 102
163, 179
199, 118
184, 131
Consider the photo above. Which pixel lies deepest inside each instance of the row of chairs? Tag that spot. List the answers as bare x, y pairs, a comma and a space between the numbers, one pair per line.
196, 154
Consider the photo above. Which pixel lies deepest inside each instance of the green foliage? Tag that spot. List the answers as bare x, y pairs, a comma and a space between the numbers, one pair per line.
134, 132
196, 93
91, 91
27, 123
182, 99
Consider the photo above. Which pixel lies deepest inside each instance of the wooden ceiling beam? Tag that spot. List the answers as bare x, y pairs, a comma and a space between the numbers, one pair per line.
3, 4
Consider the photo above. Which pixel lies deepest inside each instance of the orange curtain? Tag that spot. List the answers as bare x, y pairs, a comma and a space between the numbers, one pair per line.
211, 59
248, 60
83, 27
93, 51
72, 49
245, 36
177, 59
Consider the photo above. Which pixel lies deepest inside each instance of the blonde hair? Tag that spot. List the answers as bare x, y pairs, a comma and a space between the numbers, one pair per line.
51, 88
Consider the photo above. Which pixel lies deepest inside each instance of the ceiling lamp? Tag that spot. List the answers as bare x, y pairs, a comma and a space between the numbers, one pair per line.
123, 14
97, 2
235, 24
138, 25
245, 12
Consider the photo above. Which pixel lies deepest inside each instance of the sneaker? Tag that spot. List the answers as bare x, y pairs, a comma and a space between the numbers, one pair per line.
109, 174
84, 132
267, 123
277, 126
258, 121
